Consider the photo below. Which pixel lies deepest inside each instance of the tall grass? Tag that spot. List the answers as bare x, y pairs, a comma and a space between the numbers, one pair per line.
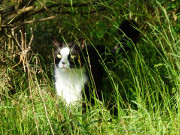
143, 91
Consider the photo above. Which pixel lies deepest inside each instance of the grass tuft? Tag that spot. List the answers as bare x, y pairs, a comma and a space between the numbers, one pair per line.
142, 91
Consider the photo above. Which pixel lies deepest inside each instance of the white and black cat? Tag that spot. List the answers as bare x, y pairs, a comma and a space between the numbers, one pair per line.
79, 66
74, 66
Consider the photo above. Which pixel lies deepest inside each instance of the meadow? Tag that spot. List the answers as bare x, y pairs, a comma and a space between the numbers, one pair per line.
140, 92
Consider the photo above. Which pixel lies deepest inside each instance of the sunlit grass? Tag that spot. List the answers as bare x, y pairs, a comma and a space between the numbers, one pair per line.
142, 93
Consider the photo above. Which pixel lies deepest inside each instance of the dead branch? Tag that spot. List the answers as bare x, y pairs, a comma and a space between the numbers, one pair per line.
39, 20
24, 48
14, 18
11, 9
20, 12
25, 9
61, 5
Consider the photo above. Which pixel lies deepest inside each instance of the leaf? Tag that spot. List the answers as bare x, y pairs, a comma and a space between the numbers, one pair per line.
100, 34
100, 30
50, 3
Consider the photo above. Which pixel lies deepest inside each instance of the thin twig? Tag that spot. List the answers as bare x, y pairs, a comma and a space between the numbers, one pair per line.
32, 36
39, 20
24, 48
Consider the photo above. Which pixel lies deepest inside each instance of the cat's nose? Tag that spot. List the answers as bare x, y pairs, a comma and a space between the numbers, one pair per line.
63, 63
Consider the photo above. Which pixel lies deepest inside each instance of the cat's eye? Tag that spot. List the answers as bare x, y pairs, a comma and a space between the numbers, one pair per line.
59, 56
72, 56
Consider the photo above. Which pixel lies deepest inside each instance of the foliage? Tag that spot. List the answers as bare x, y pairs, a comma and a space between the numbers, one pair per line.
141, 95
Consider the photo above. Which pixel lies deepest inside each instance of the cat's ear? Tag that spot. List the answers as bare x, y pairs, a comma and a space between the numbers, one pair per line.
82, 42
115, 49
56, 43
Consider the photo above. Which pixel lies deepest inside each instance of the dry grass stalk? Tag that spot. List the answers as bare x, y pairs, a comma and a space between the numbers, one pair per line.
24, 47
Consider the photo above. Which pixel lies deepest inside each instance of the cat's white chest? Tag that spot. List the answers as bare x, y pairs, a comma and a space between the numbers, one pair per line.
69, 84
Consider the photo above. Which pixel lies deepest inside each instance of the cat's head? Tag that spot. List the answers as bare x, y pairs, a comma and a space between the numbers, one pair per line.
67, 55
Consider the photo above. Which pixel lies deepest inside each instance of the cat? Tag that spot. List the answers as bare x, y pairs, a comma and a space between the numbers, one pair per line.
73, 68
79, 66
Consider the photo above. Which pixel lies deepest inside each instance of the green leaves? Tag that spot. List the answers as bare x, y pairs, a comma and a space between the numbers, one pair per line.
100, 30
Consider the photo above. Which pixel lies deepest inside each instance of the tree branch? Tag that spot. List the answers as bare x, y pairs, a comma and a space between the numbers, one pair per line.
75, 5
26, 10
39, 20
19, 15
